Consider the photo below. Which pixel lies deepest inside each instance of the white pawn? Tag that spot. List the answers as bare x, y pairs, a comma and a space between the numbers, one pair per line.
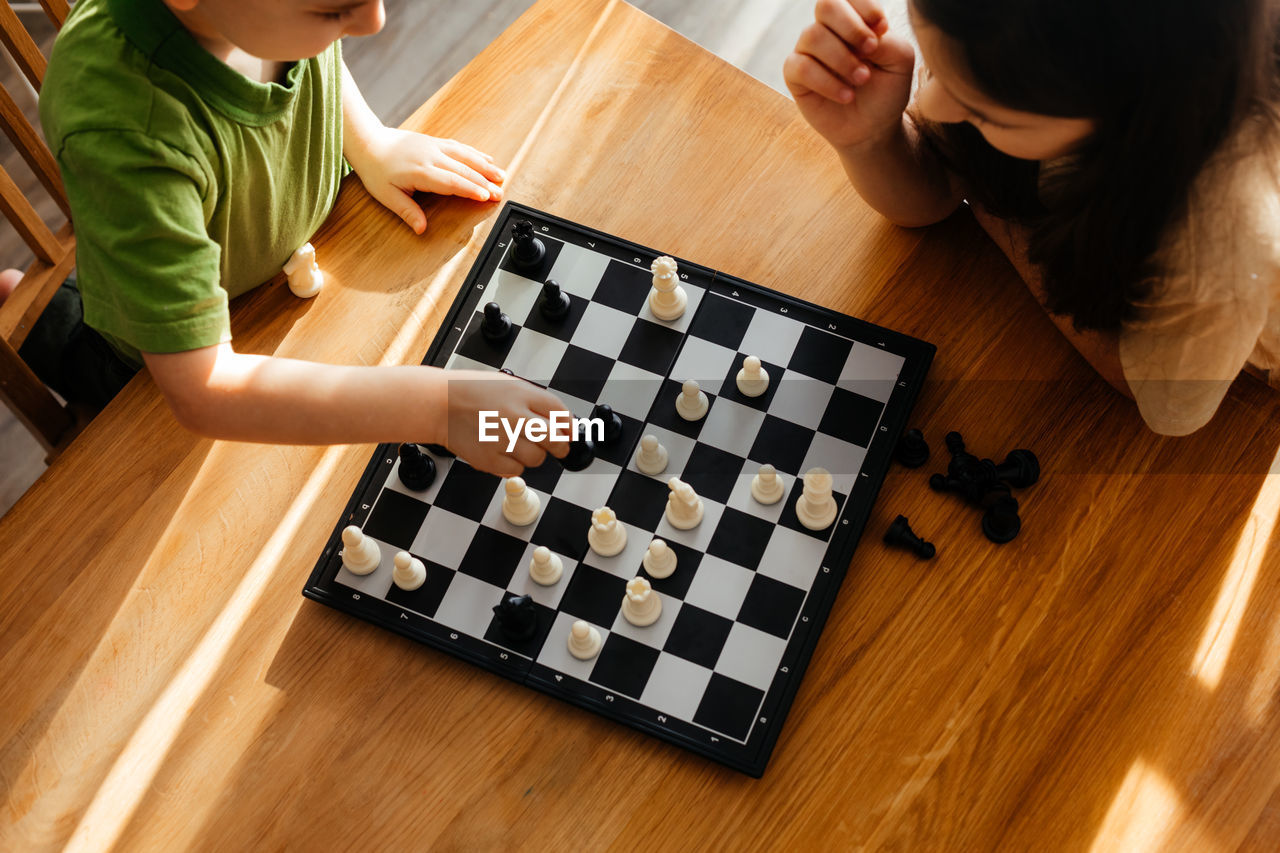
684, 507
651, 458
766, 486
659, 560
816, 508
545, 568
360, 554
667, 299
692, 403
305, 277
606, 537
753, 380
640, 606
409, 573
521, 504
584, 641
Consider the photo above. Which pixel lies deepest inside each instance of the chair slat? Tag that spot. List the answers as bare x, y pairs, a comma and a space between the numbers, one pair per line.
15, 37
57, 10
25, 220
24, 306
32, 403
32, 148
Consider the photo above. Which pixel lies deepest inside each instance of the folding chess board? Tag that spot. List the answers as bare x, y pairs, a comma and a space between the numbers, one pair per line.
742, 613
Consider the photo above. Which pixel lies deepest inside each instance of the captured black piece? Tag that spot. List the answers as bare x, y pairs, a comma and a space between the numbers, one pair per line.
527, 251
517, 617
554, 304
1019, 469
496, 326
417, 470
1001, 523
612, 422
912, 450
901, 535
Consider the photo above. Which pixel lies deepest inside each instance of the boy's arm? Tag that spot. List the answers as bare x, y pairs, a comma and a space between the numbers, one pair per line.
393, 164
219, 393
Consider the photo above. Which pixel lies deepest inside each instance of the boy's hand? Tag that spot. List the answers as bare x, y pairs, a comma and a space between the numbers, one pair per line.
850, 77
400, 162
473, 391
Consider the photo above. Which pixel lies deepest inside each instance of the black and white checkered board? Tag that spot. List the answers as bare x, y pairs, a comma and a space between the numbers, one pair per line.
742, 612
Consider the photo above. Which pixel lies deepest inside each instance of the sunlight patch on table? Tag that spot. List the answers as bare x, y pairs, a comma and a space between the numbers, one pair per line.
1144, 811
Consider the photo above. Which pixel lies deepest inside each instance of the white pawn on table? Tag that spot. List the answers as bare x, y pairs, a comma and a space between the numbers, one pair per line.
409, 572
360, 554
692, 403
816, 507
752, 379
520, 504
667, 299
652, 457
684, 507
607, 537
641, 605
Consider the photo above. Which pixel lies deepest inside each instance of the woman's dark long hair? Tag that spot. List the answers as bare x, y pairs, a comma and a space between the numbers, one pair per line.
1167, 82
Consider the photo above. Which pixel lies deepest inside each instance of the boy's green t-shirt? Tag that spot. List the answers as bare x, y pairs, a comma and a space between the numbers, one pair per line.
189, 183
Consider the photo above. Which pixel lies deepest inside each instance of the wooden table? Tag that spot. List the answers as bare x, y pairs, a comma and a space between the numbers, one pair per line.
1110, 678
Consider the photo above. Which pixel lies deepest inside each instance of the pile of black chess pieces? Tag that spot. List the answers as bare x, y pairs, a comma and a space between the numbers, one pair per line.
982, 483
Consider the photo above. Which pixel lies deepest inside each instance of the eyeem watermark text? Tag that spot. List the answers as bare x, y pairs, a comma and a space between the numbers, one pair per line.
562, 426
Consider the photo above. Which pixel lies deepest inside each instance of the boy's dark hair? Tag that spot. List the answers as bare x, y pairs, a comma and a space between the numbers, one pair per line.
1167, 82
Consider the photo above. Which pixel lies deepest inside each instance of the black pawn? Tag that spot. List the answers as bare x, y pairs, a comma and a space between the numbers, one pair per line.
901, 534
527, 250
1019, 469
517, 617
582, 452
912, 450
1001, 523
417, 469
612, 422
555, 302
496, 326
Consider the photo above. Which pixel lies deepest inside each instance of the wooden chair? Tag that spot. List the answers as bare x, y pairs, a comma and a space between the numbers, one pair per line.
55, 251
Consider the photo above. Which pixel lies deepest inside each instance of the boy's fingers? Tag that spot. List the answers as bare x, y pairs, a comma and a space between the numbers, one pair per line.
402, 204
848, 20
447, 182
529, 454
476, 159
805, 76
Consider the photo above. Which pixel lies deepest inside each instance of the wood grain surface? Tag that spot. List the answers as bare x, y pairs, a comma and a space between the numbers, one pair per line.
1106, 681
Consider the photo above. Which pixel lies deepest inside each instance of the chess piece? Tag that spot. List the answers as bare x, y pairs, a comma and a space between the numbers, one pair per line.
651, 458
527, 251
612, 422
641, 606
305, 277
667, 299
684, 507
692, 403
496, 326
816, 507
409, 572
360, 554
912, 450
753, 380
1019, 469
607, 537
417, 470
1001, 523
545, 568
584, 641
582, 451
521, 504
555, 302
766, 486
901, 534
659, 560
517, 617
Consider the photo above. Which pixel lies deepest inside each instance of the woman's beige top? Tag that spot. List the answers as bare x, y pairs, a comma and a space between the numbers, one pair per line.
1216, 308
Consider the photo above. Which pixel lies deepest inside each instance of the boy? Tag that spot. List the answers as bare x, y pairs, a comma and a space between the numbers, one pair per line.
201, 142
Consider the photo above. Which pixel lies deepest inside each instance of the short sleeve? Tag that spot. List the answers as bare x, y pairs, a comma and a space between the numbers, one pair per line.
147, 269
